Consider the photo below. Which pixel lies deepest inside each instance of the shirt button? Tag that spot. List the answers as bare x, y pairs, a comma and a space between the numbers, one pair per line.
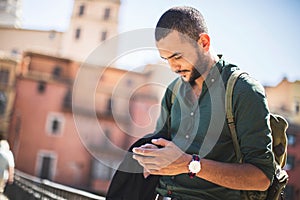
192, 113
187, 136
212, 80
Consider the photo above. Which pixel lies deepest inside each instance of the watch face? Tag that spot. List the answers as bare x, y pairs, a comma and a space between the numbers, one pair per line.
195, 166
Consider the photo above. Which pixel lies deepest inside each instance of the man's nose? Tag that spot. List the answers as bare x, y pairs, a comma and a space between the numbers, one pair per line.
175, 66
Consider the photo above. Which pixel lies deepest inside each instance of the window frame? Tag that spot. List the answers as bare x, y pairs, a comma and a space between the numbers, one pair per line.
103, 36
291, 139
46, 153
52, 116
4, 76
78, 33
107, 13
81, 10
290, 162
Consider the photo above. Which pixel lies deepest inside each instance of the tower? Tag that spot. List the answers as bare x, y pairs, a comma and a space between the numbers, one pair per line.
92, 22
10, 13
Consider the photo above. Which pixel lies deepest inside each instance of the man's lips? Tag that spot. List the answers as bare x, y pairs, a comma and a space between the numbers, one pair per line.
182, 71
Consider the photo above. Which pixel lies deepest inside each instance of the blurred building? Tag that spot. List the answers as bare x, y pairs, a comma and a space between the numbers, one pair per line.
91, 23
72, 120
10, 13
62, 132
8, 72
284, 99
15, 41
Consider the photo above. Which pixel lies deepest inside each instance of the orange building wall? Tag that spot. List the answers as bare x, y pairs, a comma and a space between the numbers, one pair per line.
33, 109
93, 133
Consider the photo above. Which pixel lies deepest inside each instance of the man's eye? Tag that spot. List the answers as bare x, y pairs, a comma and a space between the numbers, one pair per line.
178, 56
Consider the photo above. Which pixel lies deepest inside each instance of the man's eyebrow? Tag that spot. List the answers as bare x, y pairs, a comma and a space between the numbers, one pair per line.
171, 56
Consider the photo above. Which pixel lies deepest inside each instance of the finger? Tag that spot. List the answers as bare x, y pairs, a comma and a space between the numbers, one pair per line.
145, 151
138, 150
149, 146
160, 142
139, 160
144, 159
149, 163
146, 174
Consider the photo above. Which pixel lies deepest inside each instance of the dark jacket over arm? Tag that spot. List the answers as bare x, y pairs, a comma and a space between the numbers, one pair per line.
131, 185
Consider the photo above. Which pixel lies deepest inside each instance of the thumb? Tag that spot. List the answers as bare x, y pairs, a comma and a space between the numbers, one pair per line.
161, 142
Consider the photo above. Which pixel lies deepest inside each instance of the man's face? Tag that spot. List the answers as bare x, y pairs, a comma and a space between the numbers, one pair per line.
185, 58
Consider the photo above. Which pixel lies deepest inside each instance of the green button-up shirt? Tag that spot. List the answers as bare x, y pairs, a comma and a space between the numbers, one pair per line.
199, 126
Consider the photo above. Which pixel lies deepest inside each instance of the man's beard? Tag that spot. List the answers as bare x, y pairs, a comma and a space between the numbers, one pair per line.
200, 67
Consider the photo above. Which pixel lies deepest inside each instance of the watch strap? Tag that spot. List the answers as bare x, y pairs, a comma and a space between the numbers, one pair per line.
195, 157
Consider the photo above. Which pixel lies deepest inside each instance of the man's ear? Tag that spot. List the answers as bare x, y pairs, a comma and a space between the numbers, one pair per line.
204, 41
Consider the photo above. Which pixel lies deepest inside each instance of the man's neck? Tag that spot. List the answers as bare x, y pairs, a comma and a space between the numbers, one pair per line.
199, 81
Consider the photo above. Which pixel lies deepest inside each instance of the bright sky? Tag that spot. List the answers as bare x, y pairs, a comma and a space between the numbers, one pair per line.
260, 36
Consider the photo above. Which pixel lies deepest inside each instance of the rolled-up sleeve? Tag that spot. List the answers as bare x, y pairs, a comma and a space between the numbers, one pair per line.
252, 125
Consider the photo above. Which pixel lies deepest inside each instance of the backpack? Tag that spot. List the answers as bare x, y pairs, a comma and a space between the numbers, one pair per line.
279, 147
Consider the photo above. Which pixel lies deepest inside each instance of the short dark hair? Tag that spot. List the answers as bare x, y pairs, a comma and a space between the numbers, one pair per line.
186, 20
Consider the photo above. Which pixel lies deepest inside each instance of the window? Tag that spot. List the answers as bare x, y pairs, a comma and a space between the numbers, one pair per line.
55, 124
52, 35
103, 35
77, 33
3, 102
46, 162
4, 76
290, 162
297, 107
129, 82
109, 106
45, 168
14, 52
68, 99
81, 10
41, 87
291, 139
57, 71
106, 14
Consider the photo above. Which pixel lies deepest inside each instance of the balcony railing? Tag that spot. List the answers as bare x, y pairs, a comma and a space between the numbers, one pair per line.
30, 187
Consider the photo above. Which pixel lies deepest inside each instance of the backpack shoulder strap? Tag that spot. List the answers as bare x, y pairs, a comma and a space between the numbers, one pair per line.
175, 90
229, 112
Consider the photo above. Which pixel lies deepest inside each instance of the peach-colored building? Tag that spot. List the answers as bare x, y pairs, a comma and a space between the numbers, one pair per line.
8, 71
284, 99
72, 123
91, 22
10, 13
15, 40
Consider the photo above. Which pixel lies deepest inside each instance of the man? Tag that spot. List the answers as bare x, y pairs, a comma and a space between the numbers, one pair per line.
198, 162
7, 165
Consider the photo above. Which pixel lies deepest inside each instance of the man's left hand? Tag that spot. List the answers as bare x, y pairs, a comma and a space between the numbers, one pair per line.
168, 160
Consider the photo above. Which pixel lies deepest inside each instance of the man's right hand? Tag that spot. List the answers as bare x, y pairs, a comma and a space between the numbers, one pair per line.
148, 146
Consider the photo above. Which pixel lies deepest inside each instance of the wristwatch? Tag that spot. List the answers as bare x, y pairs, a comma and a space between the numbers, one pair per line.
194, 166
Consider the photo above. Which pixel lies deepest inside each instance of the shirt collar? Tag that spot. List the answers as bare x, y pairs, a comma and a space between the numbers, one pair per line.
214, 73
